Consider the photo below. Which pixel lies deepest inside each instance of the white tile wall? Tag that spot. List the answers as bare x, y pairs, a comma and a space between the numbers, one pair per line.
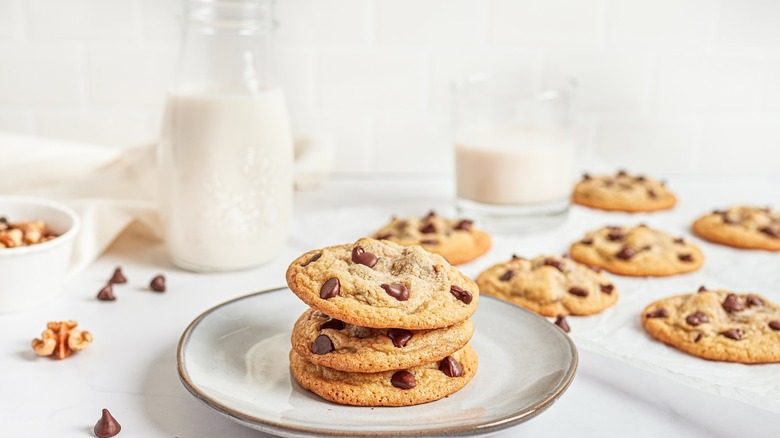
675, 86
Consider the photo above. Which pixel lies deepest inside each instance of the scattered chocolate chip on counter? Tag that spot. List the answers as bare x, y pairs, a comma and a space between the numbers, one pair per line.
560, 321
158, 283
107, 426
118, 277
107, 293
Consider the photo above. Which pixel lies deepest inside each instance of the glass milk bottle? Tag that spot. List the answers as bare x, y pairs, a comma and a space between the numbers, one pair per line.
225, 153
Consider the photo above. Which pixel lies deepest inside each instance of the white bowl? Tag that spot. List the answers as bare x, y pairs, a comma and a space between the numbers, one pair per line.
33, 275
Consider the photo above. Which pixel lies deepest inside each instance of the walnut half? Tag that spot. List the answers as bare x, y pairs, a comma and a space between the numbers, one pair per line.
60, 339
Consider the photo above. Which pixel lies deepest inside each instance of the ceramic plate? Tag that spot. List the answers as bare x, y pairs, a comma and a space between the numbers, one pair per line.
234, 359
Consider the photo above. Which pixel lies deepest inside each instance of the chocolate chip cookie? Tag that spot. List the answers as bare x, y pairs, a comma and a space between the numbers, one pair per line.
406, 387
623, 192
549, 286
741, 227
638, 251
332, 343
381, 284
717, 325
457, 240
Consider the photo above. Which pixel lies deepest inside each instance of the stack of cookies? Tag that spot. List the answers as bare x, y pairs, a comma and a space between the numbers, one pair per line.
388, 325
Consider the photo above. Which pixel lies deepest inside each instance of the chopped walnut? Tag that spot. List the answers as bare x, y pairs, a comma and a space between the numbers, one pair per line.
60, 339
17, 234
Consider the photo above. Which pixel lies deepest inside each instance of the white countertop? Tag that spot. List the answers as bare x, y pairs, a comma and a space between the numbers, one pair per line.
131, 368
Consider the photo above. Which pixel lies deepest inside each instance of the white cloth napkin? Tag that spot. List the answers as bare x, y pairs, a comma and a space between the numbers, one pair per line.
111, 188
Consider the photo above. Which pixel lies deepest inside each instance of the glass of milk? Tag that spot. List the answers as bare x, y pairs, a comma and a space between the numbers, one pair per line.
514, 150
225, 153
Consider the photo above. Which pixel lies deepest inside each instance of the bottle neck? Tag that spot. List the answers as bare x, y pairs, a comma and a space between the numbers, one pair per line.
226, 46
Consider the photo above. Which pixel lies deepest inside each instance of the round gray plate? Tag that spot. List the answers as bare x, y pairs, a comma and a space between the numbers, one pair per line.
234, 359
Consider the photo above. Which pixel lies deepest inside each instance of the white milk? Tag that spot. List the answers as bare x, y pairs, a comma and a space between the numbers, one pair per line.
513, 164
226, 177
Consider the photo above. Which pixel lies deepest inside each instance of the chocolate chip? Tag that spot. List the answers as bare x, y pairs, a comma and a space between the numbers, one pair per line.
754, 300
679, 241
465, 225
735, 334
461, 294
360, 256
640, 178
625, 253
118, 277
313, 259
403, 380
333, 323
158, 283
451, 367
555, 264
702, 288
732, 304
774, 325
428, 228
699, 335
586, 241
726, 219
622, 172
397, 291
771, 232
697, 318
685, 257
658, 313
607, 288
595, 269
322, 345
431, 214
383, 236
508, 275
585, 176
517, 257
399, 337
330, 288
578, 291
560, 321
651, 193
429, 242
106, 294
615, 235
107, 426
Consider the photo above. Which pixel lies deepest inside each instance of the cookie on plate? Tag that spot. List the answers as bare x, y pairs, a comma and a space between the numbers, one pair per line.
454, 239
549, 286
411, 386
332, 343
623, 192
381, 284
717, 325
741, 227
637, 251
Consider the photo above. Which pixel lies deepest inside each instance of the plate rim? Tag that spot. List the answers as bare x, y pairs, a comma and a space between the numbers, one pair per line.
285, 428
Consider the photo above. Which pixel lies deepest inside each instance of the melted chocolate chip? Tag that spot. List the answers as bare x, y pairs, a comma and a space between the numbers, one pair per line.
586, 241
360, 256
774, 325
615, 235
450, 367
384, 236
106, 294
732, 304
465, 225
735, 334
685, 257
322, 345
508, 275
658, 313
622, 172
699, 335
625, 253
333, 323
607, 288
697, 318
726, 219
754, 300
652, 194
428, 228
403, 380
313, 259
158, 283
585, 176
702, 288
461, 294
396, 290
107, 426
330, 288
771, 232
431, 214
640, 178
516, 257
578, 291
399, 337
429, 242
118, 277
555, 264
679, 241
560, 321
